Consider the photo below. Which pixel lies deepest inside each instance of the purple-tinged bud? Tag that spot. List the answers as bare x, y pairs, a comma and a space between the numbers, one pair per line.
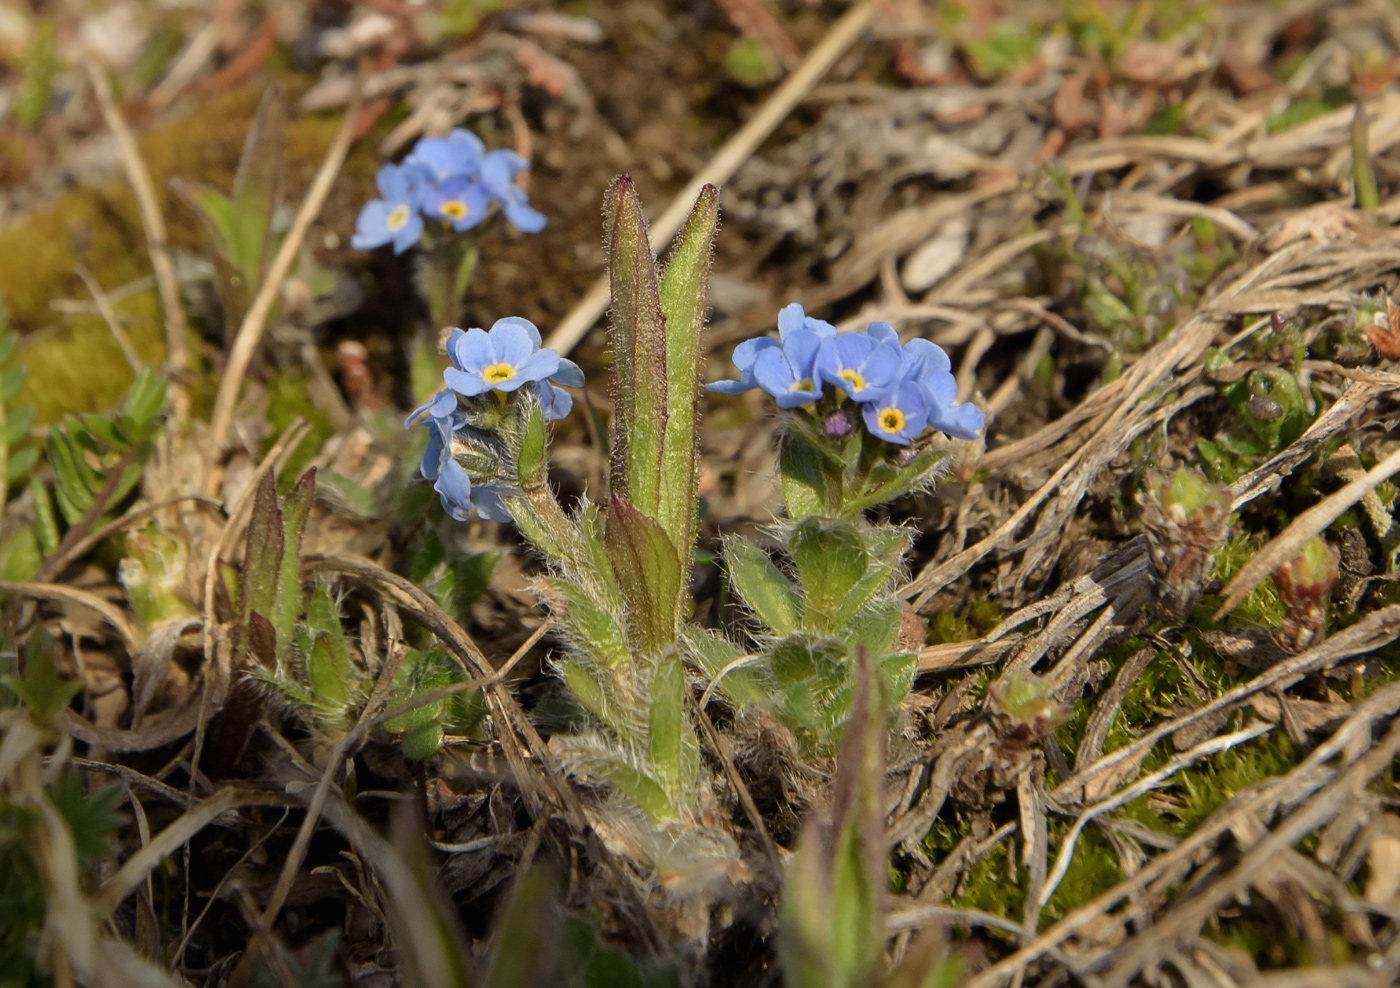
1303, 584
837, 424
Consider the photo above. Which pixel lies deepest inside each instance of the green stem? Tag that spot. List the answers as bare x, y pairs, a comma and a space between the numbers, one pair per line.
452, 262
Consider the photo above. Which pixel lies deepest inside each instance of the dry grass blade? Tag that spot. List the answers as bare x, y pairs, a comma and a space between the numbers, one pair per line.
1129, 793
245, 343
1282, 547
153, 221
61, 591
1187, 917
109, 316
1255, 802
1370, 633
169, 840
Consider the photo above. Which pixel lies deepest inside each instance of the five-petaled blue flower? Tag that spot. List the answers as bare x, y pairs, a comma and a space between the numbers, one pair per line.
460, 202
925, 364
788, 372
394, 217
859, 364
501, 359
899, 415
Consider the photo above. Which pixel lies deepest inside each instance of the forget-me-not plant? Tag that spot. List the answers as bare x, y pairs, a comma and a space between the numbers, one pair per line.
857, 411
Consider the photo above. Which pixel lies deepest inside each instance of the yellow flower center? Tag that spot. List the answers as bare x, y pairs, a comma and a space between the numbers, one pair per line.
454, 209
857, 382
397, 218
498, 373
803, 385
891, 420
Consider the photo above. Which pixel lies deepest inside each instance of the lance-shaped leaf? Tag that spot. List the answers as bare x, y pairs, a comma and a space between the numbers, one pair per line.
685, 288
668, 726
262, 560
639, 352
295, 508
767, 592
832, 917
648, 571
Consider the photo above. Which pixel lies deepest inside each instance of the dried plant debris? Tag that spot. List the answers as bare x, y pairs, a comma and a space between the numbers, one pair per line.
1073, 658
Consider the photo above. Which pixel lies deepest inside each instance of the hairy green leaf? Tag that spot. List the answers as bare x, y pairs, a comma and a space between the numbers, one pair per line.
639, 351
830, 561
648, 572
684, 294
763, 587
668, 725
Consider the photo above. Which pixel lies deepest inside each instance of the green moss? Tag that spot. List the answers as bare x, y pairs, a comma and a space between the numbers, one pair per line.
1261, 609
75, 365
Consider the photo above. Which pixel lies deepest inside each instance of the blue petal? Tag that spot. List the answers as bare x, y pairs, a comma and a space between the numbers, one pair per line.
456, 498
747, 352
498, 171
569, 373
789, 318
476, 351
964, 421
881, 367
513, 343
524, 217
490, 503
882, 332
408, 234
555, 403
455, 339
398, 184
432, 456
467, 150
925, 357
538, 367
372, 225
440, 405
802, 348
731, 387
773, 373
531, 332
468, 384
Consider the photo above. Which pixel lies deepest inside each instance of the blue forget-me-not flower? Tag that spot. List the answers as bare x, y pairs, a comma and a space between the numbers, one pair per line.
902, 390
501, 359
859, 364
394, 217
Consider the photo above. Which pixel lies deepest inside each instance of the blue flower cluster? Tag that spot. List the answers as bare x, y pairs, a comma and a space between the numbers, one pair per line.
902, 390
503, 359
453, 179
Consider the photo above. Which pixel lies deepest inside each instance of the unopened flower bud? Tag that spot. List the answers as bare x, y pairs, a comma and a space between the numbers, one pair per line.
1303, 584
1186, 519
1024, 702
